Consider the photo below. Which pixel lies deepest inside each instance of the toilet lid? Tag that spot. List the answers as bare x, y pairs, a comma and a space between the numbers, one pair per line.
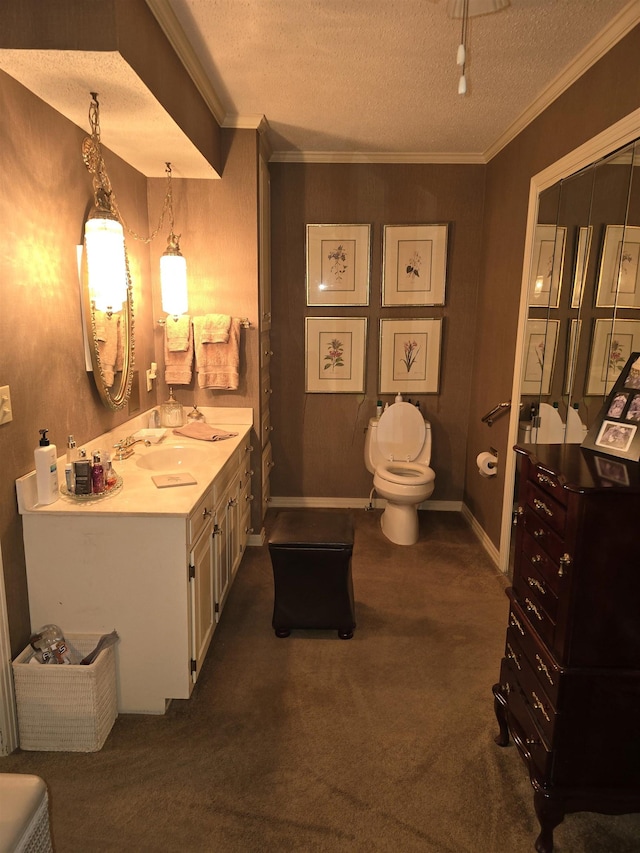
401, 432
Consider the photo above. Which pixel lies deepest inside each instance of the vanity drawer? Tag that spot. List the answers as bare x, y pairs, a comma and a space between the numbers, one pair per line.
200, 516
546, 508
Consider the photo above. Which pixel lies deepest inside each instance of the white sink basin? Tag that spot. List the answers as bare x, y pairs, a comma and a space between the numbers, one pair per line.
171, 459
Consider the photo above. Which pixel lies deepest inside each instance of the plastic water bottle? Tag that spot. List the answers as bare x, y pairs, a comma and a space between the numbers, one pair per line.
50, 646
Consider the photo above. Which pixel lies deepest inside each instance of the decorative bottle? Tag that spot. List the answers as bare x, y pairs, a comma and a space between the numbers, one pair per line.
46, 470
97, 475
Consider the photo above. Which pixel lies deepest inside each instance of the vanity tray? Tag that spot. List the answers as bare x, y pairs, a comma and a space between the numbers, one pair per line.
93, 497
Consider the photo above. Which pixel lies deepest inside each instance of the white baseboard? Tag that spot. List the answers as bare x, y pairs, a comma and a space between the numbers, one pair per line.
255, 540
486, 543
355, 503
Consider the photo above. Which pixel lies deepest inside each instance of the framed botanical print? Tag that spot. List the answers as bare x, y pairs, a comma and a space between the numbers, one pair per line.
541, 342
547, 264
414, 264
409, 356
619, 279
335, 349
611, 346
338, 264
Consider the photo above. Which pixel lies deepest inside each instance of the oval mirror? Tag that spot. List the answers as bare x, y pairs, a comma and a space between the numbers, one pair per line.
110, 342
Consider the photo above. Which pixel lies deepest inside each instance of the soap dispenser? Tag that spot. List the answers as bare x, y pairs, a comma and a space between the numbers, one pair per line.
46, 470
171, 412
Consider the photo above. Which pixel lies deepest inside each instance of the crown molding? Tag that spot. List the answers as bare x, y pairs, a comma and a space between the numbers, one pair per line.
398, 157
172, 29
618, 27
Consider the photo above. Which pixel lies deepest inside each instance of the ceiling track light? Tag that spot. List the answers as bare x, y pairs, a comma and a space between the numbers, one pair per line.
466, 9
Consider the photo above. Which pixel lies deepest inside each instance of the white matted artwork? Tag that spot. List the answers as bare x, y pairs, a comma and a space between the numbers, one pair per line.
611, 346
541, 342
338, 264
619, 280
414, 265
335, 350
616, 436
409, 356
547, 263
582, 262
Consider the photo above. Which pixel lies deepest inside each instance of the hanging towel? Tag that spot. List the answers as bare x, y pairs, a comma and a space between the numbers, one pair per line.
203, 432
216, 328
178, 332
218, 365
108, 346
178, 364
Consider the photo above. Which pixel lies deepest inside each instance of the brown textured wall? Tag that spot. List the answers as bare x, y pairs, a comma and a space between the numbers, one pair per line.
603, 95
318, 440
45, 193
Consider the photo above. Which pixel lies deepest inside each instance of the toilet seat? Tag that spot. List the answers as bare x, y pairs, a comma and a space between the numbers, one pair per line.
406, 473
401, 432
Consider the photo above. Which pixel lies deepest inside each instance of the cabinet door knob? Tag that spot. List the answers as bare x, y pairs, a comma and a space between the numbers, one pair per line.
206, 513
565, 562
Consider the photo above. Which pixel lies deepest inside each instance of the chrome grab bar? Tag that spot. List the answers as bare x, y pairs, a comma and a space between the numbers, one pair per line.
497, 412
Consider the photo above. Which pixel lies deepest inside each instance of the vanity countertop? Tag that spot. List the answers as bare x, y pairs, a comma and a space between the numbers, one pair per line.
139, 496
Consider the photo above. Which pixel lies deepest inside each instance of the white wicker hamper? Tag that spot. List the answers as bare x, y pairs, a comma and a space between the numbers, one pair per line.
66, 708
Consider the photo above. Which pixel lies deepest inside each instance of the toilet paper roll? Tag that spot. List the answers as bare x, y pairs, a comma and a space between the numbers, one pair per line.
487, 464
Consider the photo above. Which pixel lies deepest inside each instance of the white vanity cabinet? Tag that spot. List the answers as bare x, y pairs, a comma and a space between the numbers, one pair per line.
154, 564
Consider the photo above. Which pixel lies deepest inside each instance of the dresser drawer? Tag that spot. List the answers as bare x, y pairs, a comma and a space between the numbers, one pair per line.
540, 706
519, 645
536, 562
546, 508
529, 582
549, 483
524, 731
547, 539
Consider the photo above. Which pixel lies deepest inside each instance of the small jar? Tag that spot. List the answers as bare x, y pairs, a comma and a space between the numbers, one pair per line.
194, 415
171, 412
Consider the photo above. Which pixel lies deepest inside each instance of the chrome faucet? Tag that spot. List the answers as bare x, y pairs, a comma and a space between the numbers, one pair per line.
124, 447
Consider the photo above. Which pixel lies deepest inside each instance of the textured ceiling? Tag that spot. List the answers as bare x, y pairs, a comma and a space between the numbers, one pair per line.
379, 77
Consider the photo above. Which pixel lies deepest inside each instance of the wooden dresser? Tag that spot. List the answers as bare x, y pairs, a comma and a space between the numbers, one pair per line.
569, 688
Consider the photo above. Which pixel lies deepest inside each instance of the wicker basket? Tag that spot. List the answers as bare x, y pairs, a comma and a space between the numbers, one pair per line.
66, 708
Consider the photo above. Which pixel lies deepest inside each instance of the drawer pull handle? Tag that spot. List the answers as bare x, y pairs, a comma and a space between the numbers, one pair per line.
532, 741
536, 559
513, 656
546, 481
533, 609
534, 583
217, 530
248, 530
541, 505
540, 707
206, 513
538, 534
516, 624
232, 502
248, 448
565, 562
542, 667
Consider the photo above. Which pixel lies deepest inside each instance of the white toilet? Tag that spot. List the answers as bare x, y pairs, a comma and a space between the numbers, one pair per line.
397, 451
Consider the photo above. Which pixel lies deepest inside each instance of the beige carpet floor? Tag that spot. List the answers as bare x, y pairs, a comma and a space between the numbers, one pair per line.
318, 745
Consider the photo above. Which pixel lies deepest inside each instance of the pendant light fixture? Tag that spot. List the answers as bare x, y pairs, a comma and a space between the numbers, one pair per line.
103, 233
466, 9
173, 266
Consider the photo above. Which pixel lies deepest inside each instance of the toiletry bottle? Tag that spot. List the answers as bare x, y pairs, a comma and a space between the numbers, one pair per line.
46, 470
110, 478
68, 478
398, 398
72, 450
379, 409
97, 475
82, 471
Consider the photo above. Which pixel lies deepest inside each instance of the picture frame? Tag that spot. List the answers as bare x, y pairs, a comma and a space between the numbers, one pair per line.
338, 264
583, 249
409, 356
611, 344
573, 344
414, 264
616, 429
540, 345
619, 277
335, 355
547, 264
